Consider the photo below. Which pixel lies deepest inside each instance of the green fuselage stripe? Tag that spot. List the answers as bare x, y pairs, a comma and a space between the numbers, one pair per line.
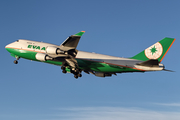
83, 64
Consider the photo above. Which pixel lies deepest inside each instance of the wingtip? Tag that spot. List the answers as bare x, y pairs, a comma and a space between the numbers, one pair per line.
80, 33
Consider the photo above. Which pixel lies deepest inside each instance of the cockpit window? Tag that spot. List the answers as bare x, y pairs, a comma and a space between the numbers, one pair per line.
29, 42
17, 40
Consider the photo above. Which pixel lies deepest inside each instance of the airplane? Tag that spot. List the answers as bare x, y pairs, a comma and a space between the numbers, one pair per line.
74, 61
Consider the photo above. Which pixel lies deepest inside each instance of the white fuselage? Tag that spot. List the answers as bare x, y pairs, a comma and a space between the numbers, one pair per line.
40, 48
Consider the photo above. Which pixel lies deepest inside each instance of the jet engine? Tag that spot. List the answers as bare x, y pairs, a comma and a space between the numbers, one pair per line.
42, 57
101, 74
54, 50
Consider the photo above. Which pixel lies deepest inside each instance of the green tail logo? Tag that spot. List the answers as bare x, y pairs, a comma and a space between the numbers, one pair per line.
156, 51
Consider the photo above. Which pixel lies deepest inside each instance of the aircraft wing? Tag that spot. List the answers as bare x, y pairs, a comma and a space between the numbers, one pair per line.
71, 42
67, 51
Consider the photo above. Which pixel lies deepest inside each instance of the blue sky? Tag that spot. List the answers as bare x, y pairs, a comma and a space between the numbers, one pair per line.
39, 91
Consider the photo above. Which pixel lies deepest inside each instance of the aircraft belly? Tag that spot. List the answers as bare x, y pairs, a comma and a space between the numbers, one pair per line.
30, 55
100, 65
112, 66
23, 53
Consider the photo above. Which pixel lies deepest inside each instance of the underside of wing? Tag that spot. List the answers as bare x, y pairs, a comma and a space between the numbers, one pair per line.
71, 42
66, 54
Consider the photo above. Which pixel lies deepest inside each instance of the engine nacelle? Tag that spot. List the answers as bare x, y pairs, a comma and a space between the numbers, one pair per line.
53, 50
101, 74
42, 57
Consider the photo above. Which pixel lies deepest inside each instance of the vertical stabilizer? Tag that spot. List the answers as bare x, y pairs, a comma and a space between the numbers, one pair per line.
156, 51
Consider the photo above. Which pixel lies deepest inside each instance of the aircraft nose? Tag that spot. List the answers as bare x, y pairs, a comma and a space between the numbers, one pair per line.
11, 45
7, 46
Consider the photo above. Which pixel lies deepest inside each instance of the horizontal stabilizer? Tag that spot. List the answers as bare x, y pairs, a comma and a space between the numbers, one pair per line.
168, 70
150, 63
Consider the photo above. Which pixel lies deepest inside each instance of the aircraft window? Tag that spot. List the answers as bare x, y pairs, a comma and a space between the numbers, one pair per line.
17, 40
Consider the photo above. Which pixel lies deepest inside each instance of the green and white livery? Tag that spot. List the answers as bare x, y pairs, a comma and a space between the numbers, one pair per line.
73, 61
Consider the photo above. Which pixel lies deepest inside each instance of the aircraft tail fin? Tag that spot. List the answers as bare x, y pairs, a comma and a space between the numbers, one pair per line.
156, 51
